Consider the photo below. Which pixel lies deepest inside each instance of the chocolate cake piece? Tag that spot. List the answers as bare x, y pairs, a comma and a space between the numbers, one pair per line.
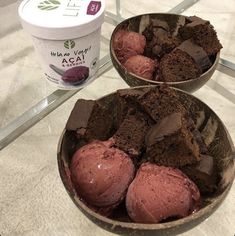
90, 120
152, 26
192, 25
171, 143
126, 99
195, 111
164, 40
131, 133
197, 53
161, 39
187, 61
161, 42
159, 102
178, 66
202, 33
203, 174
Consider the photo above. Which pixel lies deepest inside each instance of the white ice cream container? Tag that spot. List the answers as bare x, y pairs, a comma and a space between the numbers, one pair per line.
66, 36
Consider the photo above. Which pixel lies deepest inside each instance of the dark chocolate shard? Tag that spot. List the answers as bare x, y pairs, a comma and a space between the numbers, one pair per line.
168, 126
203, 174
197, 53
80, 114
171, 143
90, 120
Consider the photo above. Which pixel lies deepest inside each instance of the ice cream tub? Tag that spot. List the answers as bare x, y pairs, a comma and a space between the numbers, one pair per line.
66, 37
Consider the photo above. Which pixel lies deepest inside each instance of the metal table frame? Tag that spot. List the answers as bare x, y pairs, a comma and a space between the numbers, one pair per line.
44, 107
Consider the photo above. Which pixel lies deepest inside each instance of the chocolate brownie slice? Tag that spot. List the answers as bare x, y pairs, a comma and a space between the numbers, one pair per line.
90, 120
203, 174
131, 133
171, 143
127, 99
203, 34
161, 42
178, 66
159, 102
159, 39
197, 53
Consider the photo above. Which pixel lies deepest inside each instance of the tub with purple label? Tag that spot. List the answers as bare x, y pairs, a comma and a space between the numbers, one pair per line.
66, 36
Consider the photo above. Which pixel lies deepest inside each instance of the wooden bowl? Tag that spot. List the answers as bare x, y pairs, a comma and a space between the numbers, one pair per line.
221, 148
134, 80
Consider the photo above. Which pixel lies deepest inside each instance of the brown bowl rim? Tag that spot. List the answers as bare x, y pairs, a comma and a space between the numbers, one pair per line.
153, 81
202, 213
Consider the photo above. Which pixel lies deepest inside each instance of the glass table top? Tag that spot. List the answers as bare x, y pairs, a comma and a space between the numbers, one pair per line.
26, 96
33, 114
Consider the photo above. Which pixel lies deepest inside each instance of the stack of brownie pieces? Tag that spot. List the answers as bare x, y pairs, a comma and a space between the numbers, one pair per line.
149, 124
184, 53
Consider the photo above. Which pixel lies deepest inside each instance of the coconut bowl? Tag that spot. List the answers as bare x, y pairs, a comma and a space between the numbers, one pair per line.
221, 148
133, 24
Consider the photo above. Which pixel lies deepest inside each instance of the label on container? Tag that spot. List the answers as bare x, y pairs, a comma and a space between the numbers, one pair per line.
59, 12
70, 64
61, 19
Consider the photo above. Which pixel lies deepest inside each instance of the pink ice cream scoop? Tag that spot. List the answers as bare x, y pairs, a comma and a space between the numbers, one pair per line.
127, 44
141, 66
160, 192
101, 174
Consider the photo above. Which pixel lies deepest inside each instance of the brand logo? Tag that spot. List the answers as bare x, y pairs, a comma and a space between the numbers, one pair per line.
69, 44
49, 5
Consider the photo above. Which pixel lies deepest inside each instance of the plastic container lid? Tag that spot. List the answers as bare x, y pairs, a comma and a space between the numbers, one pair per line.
61, 19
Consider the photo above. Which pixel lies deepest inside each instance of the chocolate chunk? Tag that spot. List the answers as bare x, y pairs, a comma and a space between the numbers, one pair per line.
126, 99
197, 53
171, 143
90, 120
131, 133
80, 114
202, 33
165, 127
164, 40
203, 174
159, 102
193, 24
178, 66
